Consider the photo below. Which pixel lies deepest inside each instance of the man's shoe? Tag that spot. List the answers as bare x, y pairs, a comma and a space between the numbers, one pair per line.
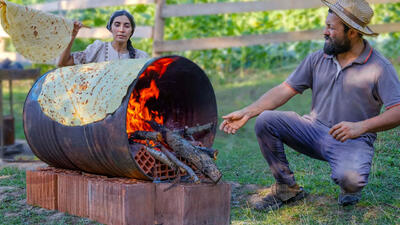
280, 194
346, 199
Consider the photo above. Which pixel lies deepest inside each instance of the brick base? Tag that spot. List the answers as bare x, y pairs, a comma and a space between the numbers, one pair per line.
192, 204
41, 189
128, 201
72, 195
113, 202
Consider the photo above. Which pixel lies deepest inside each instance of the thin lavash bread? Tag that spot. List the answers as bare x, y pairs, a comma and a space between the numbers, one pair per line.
87, 93
38, 36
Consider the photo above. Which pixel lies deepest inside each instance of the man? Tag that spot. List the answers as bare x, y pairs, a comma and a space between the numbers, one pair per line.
350, 83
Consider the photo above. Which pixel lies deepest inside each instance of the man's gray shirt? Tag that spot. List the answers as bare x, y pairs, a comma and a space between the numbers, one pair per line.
353, 93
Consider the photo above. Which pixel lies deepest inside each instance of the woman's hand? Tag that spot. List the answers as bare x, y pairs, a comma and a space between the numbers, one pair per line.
233, 121
77, 26
65, 57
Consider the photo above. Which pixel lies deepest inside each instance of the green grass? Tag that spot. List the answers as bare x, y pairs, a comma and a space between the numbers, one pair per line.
240, 161
12, 177
13, 207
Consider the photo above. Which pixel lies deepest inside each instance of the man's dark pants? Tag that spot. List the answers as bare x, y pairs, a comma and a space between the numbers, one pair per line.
350, 161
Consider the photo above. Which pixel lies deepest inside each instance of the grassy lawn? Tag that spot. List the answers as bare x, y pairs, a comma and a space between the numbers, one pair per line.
13, 207
242, 164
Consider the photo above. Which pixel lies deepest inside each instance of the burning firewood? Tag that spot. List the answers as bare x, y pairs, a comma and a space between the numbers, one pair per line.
182, 147
161, 157
179, 163
197, 129
185, 132
198, 155
188, 132
146, 135
213, 153
157, 137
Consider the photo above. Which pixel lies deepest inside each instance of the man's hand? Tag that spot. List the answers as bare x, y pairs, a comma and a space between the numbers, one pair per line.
347, 130
271, 100
233, 121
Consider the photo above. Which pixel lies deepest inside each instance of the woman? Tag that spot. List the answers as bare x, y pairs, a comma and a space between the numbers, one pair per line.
122, 26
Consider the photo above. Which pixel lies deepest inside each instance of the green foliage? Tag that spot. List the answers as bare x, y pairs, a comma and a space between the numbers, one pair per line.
99, 17
28, 2
221, 64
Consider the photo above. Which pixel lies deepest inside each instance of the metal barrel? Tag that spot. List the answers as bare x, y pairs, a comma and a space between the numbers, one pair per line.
186, 98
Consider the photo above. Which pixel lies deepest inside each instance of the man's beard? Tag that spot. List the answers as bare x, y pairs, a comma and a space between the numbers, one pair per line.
334, 47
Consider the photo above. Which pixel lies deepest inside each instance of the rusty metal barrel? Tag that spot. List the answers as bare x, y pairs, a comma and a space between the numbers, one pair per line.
76, 117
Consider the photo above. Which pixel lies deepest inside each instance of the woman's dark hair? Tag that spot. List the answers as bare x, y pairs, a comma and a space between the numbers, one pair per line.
131, 50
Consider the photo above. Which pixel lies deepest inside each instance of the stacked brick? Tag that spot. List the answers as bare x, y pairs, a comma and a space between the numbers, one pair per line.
128, 201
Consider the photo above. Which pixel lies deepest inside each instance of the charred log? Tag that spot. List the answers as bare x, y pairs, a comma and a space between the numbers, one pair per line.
200, 159
213, 153
179, 163
161, 157
146, 135
188, 132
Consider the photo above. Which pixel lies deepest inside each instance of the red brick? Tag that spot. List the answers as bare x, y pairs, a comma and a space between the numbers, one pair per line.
41, 189
73, 194
127, 201
192, 204
120, 203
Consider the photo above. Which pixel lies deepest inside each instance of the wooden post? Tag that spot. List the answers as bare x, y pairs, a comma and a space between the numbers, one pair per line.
158, 27
1, 121
11, 97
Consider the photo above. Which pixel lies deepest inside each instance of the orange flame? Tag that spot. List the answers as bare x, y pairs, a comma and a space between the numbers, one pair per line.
138, 113
159, 66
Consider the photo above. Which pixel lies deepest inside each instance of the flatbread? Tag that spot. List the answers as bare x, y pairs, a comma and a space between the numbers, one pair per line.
38, 36
86, 93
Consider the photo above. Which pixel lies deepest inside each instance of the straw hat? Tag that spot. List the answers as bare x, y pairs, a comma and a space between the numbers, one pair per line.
354, 13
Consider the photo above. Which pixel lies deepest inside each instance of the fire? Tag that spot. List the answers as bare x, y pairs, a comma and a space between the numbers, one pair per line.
159, 66
138, 113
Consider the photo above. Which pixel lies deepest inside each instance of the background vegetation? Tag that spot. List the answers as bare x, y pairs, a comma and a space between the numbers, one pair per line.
221, 64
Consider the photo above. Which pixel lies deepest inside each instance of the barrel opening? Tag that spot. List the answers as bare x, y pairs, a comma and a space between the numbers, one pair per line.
173, 92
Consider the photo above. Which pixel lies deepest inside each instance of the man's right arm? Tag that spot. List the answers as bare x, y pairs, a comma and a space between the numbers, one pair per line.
271, 100
297, 82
